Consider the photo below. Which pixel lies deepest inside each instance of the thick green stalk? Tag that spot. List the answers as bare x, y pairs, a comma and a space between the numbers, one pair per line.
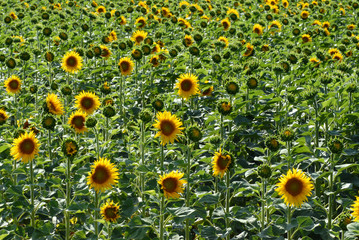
289, 220
97, 143
228, 197
49, 143
222, 129
188, 187
142, 177
162, 198
330, 212
68, 197
32, 198
96, 214
263, 204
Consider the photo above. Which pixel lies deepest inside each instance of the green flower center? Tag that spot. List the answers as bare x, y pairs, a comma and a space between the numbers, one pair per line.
294, 186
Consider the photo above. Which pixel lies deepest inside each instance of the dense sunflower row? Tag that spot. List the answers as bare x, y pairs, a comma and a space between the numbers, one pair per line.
179, 120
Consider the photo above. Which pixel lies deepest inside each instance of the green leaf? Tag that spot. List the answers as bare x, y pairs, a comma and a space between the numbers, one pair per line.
301, 149
4, 147
305, 222
209, 199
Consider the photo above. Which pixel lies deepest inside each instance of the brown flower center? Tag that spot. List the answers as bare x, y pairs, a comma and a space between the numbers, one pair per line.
167, 127
257, 30
2, 117
139, 39
111, 212
71, 148
101, 175
87, 102
71, 61
125, 66
27, 146
105, 53
225, 25
222, 161
78, 121
294, 187
14, 84
186, 85
170, 184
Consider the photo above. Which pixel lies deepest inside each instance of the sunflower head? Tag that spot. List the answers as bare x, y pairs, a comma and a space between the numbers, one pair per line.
258, 29
264, 171
146, 115
71, 62
3, 116
126, 66
77, 121
103, 175
194, 133
224, 107
54, 105
344, 220
187, 41
252, 83
49, 122
70, 148
336, 146
187, 85
137, 54
272, 143
295, 187
306, 38
171, 184
25, 147
155, 60
141, 22
169, 127
13, 84
109, 111
87, 102
138, 37
226, 24
221, 163
232, 88
109, 211
157, 104
105, 52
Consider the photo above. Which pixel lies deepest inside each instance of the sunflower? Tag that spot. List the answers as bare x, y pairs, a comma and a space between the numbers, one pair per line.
207, 91
184, 23
285, 3
226, 24
139, 36
304, 14
326, 24
231, 11
25, 147
54, 105
315, 61
294, 187
103, 175
13, 84
87, 102
317, 22
3, 116
77, 121
338, 56
71, 62
105, 52
112, 36
165, 12
13, 15
109, 211
225, 40
187, 85
169, 127
187, 41
249, 50
101, 9
122, 20
140, 22
126, 66
155, 60
306, 38
221, 163
172, 184
258, 29
275, 24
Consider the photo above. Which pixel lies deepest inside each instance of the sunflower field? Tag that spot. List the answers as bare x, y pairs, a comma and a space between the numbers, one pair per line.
193, 119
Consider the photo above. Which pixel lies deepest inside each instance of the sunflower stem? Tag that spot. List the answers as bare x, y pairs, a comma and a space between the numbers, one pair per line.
222, 129
121, 95
188, 186
142, 180
32, 199
162, 205
49, 143
263, 203
228, 197
289, 157
96, 215
162, 158
289, 220
68, 197
97, 144
109, 226
330, 211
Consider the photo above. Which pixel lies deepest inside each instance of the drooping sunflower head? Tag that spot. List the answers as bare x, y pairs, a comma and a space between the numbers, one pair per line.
187, 85
122, 20
224, 40
140, 22
326, 24
71, 62
169, 127
187, 41
338, 56
295, 187
105, 52
109, 211
25, 147
171, 184
221, 163
103, 175
88, 102
112, 36
77, 121
306, 38
70, 148
258, 29
207, 91
226, 24
54, 105
139, 36
275, 24
155, 60
3, 116
126, 66
13, 84
13, 15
